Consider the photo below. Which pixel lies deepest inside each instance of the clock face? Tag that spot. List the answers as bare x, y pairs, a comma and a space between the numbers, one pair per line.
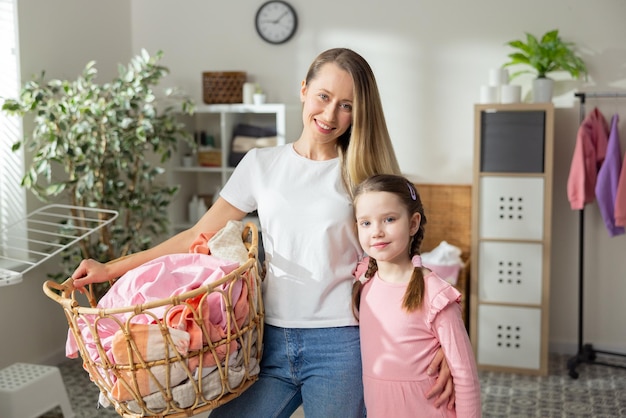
276, 21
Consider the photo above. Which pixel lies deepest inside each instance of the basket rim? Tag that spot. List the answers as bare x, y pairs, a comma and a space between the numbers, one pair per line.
68, 292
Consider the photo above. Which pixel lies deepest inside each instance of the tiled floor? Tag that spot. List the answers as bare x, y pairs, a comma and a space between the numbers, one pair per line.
599, 392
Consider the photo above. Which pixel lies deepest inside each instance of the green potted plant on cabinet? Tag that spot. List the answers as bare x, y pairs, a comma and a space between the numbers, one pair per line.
548, 54
259, 95
101, 145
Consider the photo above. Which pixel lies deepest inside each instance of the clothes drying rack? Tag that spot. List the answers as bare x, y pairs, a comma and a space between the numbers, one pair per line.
586, 352
43, 233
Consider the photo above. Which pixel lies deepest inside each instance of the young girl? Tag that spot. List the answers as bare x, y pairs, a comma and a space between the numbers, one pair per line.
406, 312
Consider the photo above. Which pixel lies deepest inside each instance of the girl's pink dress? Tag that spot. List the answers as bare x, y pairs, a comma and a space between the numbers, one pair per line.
398, 346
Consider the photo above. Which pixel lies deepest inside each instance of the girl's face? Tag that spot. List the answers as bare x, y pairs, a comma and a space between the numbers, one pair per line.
327, 104
384, 226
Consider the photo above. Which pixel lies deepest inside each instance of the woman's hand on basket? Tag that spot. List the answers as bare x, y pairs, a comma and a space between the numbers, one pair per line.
89, 271
444, 386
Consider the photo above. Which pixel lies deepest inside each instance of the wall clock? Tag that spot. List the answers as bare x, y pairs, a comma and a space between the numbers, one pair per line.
276, 21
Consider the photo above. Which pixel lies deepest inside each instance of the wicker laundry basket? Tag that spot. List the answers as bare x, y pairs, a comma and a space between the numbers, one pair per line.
178, 383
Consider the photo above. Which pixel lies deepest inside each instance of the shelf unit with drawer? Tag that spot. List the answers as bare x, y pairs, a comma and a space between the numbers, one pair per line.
511, 236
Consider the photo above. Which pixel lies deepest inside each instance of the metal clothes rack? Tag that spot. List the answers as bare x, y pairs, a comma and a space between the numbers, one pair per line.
586, 352
44, 233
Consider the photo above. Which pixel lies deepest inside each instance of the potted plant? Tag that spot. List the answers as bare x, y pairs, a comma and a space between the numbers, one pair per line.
100, 145
259, 95
544, 56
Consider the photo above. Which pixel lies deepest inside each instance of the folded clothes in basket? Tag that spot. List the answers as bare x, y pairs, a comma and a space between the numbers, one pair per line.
147, 344
184, 394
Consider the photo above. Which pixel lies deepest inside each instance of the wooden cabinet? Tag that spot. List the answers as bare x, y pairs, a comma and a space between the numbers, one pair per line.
217, 122
511, 236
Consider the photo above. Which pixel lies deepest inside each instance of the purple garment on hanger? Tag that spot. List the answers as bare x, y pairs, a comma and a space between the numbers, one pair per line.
608, 179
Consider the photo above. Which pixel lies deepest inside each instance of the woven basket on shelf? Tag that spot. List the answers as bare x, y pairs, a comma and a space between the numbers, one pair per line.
223, 87
229, 363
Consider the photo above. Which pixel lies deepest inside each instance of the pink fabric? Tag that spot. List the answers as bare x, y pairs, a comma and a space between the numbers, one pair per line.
589, 153
182, 317
201, 244
397, 347
157, 279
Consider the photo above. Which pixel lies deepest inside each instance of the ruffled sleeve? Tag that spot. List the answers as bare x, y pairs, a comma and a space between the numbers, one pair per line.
447, 326
438, 295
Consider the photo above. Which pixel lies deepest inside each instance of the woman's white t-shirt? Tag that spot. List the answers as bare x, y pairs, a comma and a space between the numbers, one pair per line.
308, 232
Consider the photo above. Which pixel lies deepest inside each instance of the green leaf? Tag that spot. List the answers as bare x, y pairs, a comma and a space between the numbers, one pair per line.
546, 55
54, 189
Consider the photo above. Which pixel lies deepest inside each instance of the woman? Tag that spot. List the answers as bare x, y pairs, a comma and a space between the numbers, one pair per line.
301, 191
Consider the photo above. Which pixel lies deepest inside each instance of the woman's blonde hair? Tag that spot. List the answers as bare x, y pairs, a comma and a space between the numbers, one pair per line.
365, 148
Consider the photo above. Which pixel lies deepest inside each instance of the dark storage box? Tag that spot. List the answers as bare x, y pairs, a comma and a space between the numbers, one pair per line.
512, 141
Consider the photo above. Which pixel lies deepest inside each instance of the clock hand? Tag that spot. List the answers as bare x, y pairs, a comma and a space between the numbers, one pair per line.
279, 17
273, 21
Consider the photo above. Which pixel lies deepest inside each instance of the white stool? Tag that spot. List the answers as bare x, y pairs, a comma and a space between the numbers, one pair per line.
30, 390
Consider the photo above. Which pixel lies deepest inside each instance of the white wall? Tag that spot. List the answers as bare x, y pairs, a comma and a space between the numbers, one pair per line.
430, 59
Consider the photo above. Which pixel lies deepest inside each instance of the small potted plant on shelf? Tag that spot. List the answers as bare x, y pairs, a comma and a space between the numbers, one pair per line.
259, 95
92, 145
544, 56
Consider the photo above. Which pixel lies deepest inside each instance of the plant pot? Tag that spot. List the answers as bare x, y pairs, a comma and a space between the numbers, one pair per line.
542, 90
258, 98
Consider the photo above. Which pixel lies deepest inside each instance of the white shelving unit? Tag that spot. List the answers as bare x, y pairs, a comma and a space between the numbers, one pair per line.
511, 236
218, 121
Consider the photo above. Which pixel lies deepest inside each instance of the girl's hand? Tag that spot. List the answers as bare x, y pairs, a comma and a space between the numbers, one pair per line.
444, 386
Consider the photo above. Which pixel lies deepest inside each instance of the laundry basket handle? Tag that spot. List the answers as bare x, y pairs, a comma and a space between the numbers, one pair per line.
64, 288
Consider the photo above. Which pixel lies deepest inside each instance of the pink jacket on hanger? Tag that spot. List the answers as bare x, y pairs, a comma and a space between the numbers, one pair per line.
589, 153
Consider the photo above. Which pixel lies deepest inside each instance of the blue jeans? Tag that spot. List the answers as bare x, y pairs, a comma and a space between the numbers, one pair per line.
319, 368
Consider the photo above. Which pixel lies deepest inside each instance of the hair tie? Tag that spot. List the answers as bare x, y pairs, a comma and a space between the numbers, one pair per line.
412, 191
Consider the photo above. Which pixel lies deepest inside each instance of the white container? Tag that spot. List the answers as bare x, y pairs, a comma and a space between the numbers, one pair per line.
248, 93
489, 94
202, 208
187, 161
543, 89
510, 93
192, 209
498, 76
258, 98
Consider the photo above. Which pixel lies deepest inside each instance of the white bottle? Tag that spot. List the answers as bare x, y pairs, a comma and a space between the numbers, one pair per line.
201, 208
216, 195
248, 92
192, 209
